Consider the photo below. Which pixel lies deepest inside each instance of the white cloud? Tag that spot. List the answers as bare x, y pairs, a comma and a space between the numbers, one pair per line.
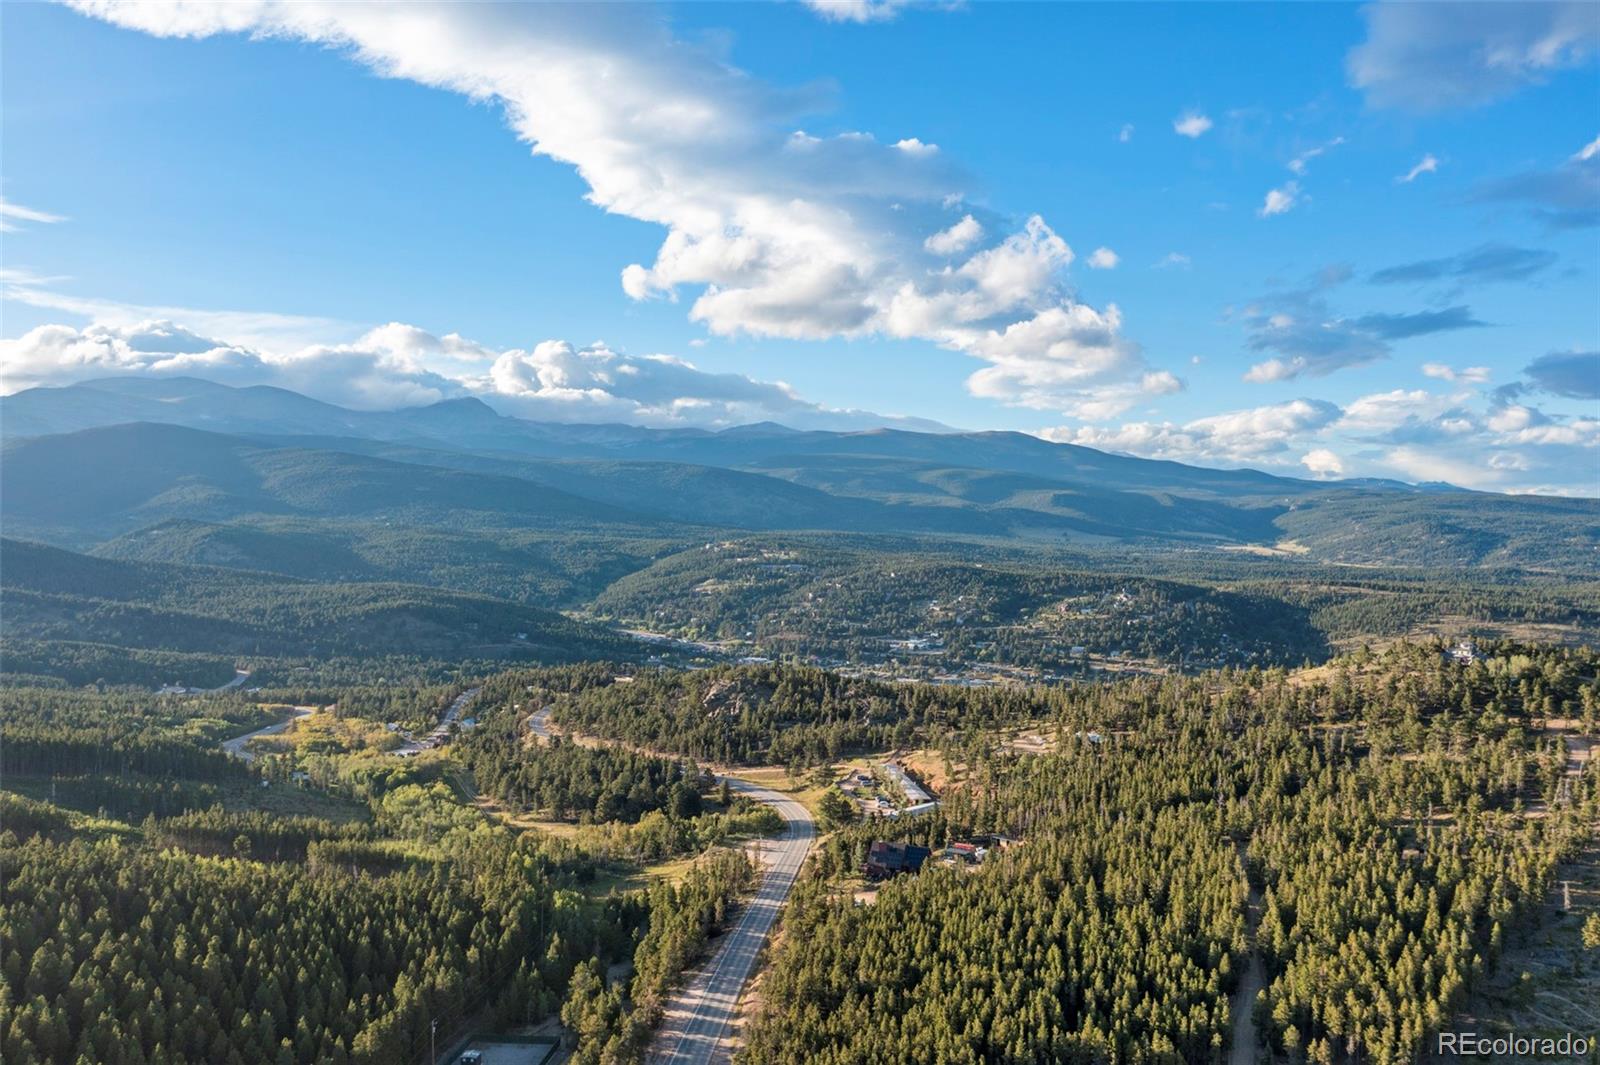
1426, 165
1468, 438
1056, 359
1421, 464
258, 329
1173, 259
857, 10
1125, 134
1323, 463
400, 365
1389, 410
26, 278
960, 236
1280, 200
1587, 152
1275, 370
1472, 375
1579, 432
1432, 56
1299, 164
1103, 259
775, 232
1248, 435
1191, 124
12, 213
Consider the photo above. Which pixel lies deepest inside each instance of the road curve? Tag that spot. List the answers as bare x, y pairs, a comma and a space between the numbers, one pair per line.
698, 1014
238, 746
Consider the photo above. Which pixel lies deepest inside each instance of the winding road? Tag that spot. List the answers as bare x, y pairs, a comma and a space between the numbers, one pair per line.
238, 746
697, 1016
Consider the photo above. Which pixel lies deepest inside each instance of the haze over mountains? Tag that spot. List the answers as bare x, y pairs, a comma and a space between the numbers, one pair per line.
145, 460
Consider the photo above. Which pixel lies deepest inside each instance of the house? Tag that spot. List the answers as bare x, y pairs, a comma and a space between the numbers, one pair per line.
891, 859
968, 853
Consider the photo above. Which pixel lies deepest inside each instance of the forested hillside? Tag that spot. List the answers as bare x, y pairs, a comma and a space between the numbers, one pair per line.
85, 619
167, 902
1400, 815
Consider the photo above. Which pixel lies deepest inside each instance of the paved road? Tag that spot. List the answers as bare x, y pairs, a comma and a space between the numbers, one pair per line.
239, 677
238, 746
441, 731
698, 1014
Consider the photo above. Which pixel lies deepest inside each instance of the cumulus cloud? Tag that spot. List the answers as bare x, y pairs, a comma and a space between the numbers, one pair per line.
957, 238
1426, 165
1412, 434
399, 365
775, 232
1191, 124
1432, 56
367, 374
1566, 196
1125, 134
12, 213
1323, 463
1488, 262
1387, 411
1574, 374
1280, 200
1236, 436
1103, 259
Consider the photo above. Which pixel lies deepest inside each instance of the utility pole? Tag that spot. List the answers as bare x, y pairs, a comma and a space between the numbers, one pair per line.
433, 1030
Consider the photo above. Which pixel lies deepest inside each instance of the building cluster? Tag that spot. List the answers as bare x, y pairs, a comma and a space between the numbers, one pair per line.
891, 859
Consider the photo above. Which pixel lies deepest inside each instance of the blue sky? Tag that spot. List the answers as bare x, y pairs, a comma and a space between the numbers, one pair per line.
1184, 232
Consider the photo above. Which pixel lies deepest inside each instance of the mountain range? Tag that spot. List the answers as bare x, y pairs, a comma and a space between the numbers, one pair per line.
90, 465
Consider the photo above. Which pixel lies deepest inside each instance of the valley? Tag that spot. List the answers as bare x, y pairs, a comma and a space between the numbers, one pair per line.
573, 725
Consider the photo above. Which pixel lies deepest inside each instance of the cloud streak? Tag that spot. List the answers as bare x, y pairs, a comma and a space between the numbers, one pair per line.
1426, 165
12, 213
1487, 262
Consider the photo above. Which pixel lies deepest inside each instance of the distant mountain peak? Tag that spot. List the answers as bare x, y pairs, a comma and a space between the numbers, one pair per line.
460, 403
760, 429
